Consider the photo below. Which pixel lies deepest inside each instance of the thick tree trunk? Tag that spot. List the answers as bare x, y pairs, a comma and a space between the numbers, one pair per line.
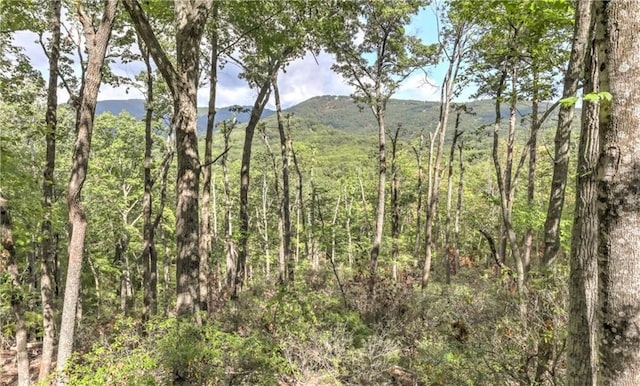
582, 350
619, 192
563, 133
97, 42
48, 247
16, 292
182, 81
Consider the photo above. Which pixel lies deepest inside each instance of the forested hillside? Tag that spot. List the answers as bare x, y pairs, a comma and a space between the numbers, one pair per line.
360, 239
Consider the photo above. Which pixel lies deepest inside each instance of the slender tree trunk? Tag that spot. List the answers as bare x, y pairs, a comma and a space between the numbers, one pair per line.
379, 112
418, 152
506, 187
451, 265
301, 228
149, 252
97, 41
276, 179
16, 292
583, 334
395, 204
348, 202
205, 216
618, 180
531, 180
285, 213
441, 131
256, 112
456, 222
48, 184
126, 284
230, 249
563, 133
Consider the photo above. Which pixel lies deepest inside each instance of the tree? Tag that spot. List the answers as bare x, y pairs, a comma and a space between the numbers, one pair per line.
454, 46
376, 66
17, 294
46, 266
96, 45
182, 80
618, 190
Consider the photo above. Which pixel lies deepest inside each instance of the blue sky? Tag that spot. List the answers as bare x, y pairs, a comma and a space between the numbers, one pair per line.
303, 79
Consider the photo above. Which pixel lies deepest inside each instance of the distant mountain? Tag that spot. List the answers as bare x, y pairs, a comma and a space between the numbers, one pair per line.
340, 112
135, 107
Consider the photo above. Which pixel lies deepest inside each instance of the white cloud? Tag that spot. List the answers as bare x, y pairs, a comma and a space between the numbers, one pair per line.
306, 78
418, 87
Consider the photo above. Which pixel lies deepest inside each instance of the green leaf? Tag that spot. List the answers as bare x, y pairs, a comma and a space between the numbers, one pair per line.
605, 95
567, 102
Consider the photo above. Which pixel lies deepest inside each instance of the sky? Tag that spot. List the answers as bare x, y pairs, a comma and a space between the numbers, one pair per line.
303, 79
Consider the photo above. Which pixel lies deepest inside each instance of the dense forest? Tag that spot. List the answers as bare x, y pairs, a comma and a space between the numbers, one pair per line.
344, 240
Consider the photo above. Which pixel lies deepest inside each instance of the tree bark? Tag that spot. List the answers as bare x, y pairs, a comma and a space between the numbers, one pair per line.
97, 41
446, 95
395, 204
285, 212
582, 350
451, 263
16, 294
149, 251
563, 133
182, 81
618, 182
205, 217
256, 112
418, 240
48, 184
379, 113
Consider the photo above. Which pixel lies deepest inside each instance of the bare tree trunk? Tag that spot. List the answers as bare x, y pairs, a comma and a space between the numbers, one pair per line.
348, 202
618, 182
48, 248
149, 252
126, 284
506, 185
395, 204
379, 113
301, 227
446, 95
285, 213
583, 334
256, 112
205, 215
182, 81
456, 222
263, 215
563, 133
16, 292
531, 180
230, 249
97, 42
451, 263
418, 152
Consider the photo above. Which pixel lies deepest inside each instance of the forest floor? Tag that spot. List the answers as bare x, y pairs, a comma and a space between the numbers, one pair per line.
9, 369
